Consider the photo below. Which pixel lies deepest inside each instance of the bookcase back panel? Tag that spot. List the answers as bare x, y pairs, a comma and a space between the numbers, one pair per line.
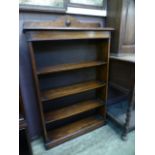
62, 52
58, 124
69, 100
67, 78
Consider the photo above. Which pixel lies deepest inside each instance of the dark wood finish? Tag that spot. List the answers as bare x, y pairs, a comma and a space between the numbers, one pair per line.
70, 90
65, 27
64, 116
122, 76
121, 16
69, 34
119, 87
73, 130
61, 23
102, 73
36, 80
67, 67
121, 73
128, 115
72, 110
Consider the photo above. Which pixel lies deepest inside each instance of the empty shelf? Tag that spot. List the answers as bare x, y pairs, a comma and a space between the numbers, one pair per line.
70, 90
71, 66
72, 110
69, 131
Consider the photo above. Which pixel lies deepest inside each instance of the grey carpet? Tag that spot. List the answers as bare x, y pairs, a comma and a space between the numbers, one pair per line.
102, 141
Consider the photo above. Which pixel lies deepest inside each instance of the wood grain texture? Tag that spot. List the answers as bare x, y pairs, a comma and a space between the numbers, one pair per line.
70, 90
72, 110
67, 67
121, 16
37, 87
63, 21
127, 29
121, 73
74, 129
37, 31
67, 35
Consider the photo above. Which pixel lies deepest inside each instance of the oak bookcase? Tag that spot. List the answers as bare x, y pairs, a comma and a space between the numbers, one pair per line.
71, 80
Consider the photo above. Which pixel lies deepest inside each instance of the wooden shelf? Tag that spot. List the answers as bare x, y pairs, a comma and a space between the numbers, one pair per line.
70, 90
71, 66
67, 132
72, 110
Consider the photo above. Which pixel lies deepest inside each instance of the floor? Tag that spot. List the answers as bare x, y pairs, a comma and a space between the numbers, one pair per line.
102, 141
